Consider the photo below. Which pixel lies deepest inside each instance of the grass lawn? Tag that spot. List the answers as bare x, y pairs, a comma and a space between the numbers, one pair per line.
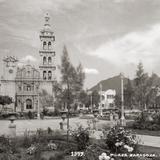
142, 132
146, 132
149, 150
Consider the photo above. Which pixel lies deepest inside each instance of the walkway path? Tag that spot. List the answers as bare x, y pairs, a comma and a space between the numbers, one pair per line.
153, 141
145, 140
33, 125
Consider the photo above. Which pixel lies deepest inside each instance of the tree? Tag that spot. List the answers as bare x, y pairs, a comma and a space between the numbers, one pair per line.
157, 101
72, 78
80, 77
95, 98
117, 101
129, 95
72, 82
5, 100
152, 96
141, 87
46, 100
84, 98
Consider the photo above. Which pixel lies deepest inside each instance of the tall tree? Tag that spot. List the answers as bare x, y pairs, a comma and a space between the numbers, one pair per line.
117, 101
84, 98
129, 95
79, 78
72, 78
95, 98
141, 86
46, 100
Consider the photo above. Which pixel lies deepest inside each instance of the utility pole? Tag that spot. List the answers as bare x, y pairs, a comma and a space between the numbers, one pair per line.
122, 120
38, 110
91, 102
101, 113
68, 111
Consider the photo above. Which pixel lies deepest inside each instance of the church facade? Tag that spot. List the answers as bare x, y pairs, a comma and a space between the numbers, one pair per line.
24, 84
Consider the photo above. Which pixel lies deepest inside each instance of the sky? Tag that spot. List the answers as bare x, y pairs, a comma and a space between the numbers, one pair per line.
106, 36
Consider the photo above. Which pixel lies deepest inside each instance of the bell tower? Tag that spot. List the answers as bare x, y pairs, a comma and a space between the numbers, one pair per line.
8, 77
9, 68
47, 57
47, 53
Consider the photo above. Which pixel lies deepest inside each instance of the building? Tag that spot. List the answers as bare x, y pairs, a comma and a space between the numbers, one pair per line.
27, 85
24, 84
107, 99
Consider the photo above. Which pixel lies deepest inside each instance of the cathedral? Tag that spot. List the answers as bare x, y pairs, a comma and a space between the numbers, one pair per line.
24, 84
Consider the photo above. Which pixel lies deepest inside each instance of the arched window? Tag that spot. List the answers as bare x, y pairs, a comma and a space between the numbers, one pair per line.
49, 60
44, 75
28, 74
49, 75
44, 45
28, 104
28, 88
44, 60
49, 45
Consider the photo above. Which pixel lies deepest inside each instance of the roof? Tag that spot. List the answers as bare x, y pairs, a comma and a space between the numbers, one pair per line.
10, 59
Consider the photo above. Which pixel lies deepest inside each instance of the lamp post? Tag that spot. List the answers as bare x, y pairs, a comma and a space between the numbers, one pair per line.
68, 110
101, 113
91, 100
122, 120
95, 120
63, 116
38, 109
12, 126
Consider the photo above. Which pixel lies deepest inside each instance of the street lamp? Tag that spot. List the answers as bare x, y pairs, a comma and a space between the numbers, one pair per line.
63, 116
95, 120
67, 88
12, 126
122, 120
38, 109
101, 113
91, 100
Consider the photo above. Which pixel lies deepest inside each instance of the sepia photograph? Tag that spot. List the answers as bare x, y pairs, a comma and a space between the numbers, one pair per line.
79, 79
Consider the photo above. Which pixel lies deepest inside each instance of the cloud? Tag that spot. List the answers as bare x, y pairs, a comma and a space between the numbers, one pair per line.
39, 6
132, 48
2, 1
122, 1
28, 59
91, 71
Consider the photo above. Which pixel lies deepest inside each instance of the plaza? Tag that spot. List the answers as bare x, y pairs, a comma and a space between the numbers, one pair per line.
79, 80
33, 125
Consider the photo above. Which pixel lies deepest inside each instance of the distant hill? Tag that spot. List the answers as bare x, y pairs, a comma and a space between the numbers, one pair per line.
110, 83
156, 79
115, 83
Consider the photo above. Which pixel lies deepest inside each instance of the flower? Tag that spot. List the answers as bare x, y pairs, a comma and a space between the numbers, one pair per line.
117, 144
104, 156
130, 149
126, 146
31, 150
52, 146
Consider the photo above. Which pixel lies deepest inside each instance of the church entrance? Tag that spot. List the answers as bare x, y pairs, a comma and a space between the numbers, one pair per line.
29, 104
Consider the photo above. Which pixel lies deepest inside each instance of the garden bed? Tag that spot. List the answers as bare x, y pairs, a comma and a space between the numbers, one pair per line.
146, 132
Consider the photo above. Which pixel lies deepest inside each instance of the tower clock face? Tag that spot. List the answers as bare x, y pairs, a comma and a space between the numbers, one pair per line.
10, 71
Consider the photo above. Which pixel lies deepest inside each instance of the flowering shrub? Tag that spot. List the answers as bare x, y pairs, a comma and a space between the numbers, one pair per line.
94, 151
104, 156
52, 146
147, 121
31, 150
81, 136
120, 140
